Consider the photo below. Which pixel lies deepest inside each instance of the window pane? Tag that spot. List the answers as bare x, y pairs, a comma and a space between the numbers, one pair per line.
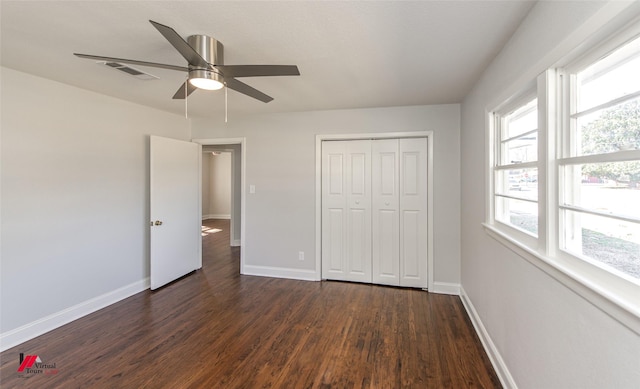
521, 183
522, 120
612, 187
521, 149
613, 76
609, 241
518, 213
611, 129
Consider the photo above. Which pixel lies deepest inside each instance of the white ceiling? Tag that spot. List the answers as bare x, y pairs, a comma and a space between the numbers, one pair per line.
351, 54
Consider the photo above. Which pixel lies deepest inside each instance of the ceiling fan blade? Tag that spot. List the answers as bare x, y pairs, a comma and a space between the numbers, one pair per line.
247, 90
133, 62
258, 70
180, 92
181, 45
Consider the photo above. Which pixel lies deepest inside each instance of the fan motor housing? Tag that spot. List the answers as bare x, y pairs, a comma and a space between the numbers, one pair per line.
211, 50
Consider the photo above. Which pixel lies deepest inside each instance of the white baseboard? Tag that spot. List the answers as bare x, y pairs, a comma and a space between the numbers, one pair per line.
280, 272
235, 243
445, 288
494, 355
215, 216
36, 328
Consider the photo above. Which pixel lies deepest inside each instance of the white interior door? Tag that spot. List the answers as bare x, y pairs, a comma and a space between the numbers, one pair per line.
175, 202
346, 210
385, 212
413, 212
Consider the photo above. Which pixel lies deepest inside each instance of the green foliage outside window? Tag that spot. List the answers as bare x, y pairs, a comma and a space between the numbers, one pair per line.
617, 128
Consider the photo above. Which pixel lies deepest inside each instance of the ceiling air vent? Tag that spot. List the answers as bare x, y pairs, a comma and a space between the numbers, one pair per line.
140, 75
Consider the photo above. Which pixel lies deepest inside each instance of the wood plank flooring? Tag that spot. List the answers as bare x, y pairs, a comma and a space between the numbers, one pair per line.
217, 329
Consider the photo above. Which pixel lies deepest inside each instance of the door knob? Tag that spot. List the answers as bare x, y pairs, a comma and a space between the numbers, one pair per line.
386, 203
357, 201
158, 223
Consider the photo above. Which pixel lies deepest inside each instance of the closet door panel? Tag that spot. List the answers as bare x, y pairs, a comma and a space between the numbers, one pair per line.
413, 212
334, 242
359, 243
385, 198
386, 244
410, 246
358, 232
334, 220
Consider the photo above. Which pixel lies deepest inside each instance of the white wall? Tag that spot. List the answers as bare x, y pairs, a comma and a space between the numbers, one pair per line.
75, 193
216, 185
280, 216
547, 336
220, 200
206, 184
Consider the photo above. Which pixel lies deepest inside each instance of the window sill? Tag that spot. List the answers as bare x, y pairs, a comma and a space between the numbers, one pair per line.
622, 306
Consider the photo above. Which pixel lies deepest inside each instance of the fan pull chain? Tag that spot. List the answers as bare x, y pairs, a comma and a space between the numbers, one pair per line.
186, 104
225, 103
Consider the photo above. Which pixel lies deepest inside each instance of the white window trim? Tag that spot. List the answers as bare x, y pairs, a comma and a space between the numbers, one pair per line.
502, 110
613, 292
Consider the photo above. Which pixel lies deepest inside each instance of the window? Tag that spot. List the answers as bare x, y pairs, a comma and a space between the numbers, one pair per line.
599, 165
564, 175
516, 166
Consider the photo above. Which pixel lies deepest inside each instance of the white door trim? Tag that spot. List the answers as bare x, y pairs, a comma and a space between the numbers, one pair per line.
243, 214
384, 135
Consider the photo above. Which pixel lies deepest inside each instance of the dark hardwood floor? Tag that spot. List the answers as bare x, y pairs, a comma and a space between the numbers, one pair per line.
217, 329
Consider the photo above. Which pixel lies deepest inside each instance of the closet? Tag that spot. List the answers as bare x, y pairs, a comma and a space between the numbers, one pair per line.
374, 211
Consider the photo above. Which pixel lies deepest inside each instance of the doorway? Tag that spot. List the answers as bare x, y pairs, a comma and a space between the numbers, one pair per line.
235, 148
218, 189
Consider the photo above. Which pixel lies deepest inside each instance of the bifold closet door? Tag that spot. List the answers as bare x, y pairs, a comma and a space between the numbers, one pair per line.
399, 211
374, 211
346, 210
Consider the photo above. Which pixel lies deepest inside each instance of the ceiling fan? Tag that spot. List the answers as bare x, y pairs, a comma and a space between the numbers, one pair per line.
206, 66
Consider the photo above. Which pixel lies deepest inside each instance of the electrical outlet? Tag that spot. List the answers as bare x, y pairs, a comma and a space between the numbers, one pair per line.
301, 255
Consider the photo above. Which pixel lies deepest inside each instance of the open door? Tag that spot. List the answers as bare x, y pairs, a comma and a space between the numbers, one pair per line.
175, 201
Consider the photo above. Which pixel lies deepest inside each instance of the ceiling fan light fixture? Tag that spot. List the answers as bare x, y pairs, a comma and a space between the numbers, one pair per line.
205, 66
205, 79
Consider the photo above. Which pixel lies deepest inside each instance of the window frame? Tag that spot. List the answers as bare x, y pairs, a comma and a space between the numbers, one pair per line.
566, 154
497, 119
612, 291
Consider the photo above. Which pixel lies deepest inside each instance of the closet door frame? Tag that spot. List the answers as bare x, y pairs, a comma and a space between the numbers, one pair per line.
386, 135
